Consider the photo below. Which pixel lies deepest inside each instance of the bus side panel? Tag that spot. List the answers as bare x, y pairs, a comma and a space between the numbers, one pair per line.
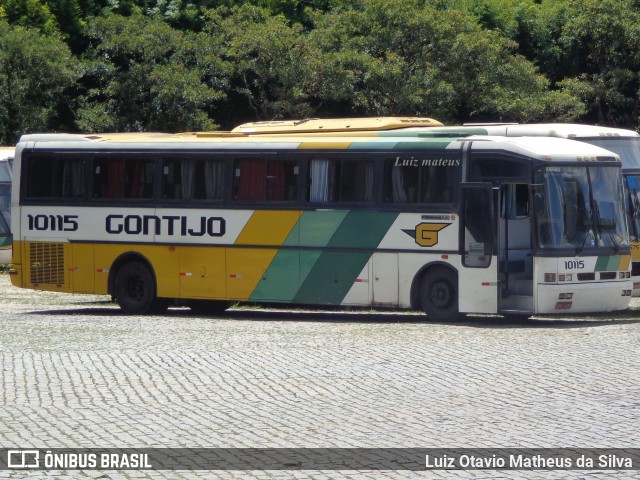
361, 290
82, 270
377, 283
245, 268
203, 272
385, 279
281, 280
258, 273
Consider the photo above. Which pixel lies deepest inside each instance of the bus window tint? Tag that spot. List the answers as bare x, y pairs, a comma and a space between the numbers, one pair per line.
258, 179
413, 182
341, 181
193, 179
55, 178
123, 178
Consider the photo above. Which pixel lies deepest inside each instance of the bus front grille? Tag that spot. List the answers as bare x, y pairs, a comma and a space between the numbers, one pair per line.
46, 262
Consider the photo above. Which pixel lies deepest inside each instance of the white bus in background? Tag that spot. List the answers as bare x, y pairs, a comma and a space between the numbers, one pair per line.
6, 160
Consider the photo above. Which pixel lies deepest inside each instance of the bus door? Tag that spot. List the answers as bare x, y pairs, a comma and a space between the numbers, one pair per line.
515, 254
478, 279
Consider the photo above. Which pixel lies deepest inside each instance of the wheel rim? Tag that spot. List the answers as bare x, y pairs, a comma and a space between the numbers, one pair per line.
134, 288
441, 294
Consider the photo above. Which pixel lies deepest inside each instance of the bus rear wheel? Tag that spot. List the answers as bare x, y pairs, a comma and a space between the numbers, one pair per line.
135, 290
439, 295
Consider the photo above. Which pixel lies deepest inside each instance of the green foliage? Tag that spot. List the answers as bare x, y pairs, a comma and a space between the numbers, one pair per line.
144, 75
401, 57
35, 70
265, 52
195, 64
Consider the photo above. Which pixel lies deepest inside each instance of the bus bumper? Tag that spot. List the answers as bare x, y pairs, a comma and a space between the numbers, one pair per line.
15, 274
584, 298
636, 286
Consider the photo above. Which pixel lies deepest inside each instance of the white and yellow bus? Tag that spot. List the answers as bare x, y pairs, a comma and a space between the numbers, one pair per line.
447, 225
6, 159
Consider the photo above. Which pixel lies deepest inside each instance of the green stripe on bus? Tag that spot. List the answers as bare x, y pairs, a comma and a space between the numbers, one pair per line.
290, 266
334, 272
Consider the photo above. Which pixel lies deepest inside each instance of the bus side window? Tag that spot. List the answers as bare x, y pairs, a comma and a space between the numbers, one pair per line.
257, 179
515, 201
123, 178
478, 221
189, 178
56, 177
341, 181
408, 180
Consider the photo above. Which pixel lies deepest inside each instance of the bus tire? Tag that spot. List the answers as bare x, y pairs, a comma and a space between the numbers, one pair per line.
439, 294
135, 290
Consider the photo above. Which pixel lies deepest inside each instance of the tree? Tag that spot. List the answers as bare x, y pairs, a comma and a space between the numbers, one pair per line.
408, 57
265, 53
143, 75
35, 70
600, 44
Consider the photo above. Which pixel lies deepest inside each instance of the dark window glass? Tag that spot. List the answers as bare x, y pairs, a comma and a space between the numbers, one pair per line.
55, 177
193, 179
478, 227
416, 180
492, 169
123, 178
341, 181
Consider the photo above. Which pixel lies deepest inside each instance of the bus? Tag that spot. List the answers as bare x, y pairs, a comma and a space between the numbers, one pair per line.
6, 159
456, 225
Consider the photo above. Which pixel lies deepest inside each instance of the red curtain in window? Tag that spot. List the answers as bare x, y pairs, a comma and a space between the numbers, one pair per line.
251, 184
115, 178
276, 181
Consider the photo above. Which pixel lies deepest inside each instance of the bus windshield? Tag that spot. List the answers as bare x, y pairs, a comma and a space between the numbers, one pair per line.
628, 148
580, 208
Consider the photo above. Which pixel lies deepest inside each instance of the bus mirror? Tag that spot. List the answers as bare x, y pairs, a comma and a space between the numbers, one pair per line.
538, 203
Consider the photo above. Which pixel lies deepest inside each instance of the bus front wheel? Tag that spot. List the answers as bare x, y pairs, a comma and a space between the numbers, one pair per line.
135, 290
439, 294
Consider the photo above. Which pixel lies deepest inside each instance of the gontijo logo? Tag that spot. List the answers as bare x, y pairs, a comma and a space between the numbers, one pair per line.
426, 234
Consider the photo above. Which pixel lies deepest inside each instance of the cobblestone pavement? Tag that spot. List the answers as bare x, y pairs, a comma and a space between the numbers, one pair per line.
76, 373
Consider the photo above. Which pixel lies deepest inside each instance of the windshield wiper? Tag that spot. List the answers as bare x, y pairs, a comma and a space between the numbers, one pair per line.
584, 239
598, 220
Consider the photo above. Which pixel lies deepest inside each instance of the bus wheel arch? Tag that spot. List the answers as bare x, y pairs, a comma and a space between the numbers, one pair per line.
435, 291
133, 285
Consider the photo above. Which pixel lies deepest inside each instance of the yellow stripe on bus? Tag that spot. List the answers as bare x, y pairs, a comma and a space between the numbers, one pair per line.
246, 266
